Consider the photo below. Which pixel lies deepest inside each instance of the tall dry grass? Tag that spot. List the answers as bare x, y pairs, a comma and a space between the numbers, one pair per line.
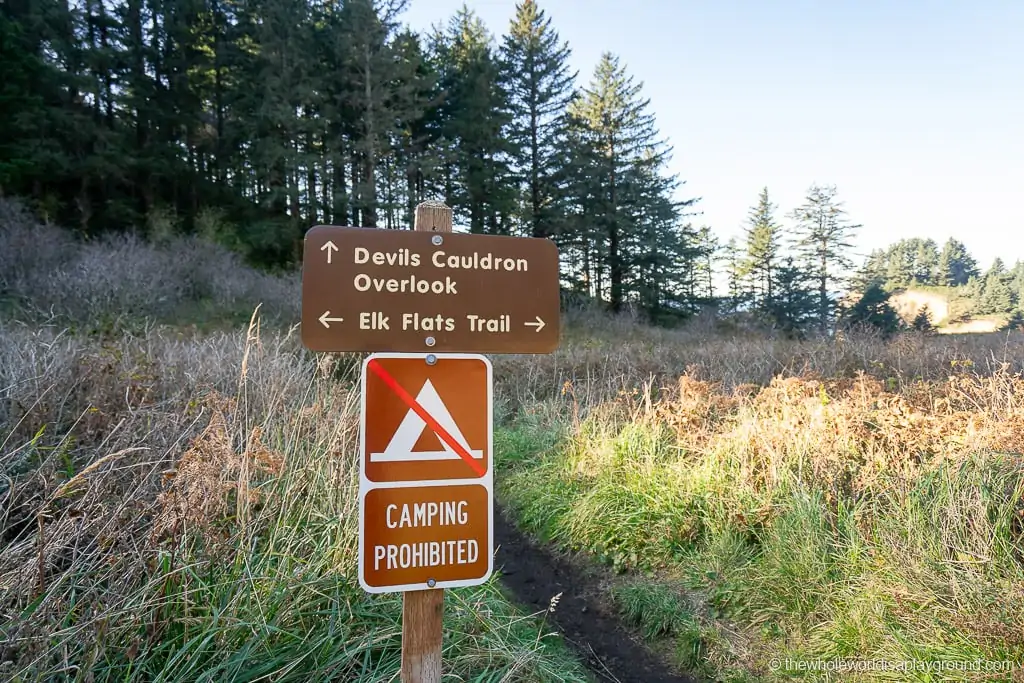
601, 355
865, 502
178, 505
183, 507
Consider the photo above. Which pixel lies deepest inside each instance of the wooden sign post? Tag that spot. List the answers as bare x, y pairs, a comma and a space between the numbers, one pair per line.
427, 302
423, 611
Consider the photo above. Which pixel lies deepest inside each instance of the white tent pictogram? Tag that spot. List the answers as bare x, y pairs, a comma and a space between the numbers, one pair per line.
399, 449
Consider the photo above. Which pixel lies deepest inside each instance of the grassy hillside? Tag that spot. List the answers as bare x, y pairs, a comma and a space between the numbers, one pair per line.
945, 309
178, 500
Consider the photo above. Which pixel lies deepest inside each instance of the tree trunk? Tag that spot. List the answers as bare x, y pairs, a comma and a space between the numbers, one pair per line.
368, 192
312, 214
537, 229
218, 95
327, 205
614, 261
823, 289
339, 193
138, 76
357, 200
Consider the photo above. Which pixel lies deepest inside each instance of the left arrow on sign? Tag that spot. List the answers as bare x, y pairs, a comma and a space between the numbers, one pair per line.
324, 319
331, 248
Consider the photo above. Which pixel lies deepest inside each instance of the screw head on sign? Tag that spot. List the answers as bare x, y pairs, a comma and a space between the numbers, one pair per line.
436, 240
431, 359
431, 583
430, 341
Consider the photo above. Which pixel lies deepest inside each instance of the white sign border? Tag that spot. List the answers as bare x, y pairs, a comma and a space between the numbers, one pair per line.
366, 485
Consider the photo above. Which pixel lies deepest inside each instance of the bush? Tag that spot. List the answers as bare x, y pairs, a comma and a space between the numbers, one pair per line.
46, 272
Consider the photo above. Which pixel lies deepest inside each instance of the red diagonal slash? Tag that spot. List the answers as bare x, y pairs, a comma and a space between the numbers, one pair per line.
441, 432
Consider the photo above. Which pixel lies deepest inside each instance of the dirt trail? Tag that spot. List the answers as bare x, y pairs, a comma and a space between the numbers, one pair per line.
535, 575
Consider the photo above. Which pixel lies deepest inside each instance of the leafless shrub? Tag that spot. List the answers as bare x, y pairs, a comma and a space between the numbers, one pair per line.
48, 272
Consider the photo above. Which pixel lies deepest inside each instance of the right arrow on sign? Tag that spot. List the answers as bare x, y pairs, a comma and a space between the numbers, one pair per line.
324, 320
539, 324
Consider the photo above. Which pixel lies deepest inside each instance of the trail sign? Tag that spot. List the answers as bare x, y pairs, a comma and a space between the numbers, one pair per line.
368, 289
426, 476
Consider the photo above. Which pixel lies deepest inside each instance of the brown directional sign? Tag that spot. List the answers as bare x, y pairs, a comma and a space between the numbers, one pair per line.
370, 289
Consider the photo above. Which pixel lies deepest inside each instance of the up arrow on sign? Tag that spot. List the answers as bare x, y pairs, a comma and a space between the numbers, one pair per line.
330, 247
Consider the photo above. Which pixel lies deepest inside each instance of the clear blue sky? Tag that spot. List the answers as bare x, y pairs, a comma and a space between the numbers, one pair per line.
913, 109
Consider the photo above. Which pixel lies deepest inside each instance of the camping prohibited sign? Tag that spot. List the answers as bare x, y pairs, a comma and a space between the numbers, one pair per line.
426, 475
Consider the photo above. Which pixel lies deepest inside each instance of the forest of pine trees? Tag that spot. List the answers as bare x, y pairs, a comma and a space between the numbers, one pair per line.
920, 262
256, 119
249, 121
789, 275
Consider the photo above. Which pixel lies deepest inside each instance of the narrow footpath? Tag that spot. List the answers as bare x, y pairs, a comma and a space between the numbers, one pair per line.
534, 576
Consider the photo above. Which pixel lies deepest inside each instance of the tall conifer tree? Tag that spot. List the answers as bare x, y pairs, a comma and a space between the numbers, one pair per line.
764, 243
539, 85
824, 234
621, 160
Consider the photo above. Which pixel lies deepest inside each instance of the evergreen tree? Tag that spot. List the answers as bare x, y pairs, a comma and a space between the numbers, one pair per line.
899, 270
823, 240
996, 296
906, 263
764, 243
734, 268
708, 248
875, 269
279, 114
1016, 282
623, 191
923, 320
539, 84
956, 266
478, 178
1015, 322
926, 262
970, 296
383, 93
873, 310
45, 121
793, 305
416, 159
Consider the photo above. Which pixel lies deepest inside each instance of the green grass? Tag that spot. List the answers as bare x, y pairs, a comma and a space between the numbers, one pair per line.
283, 611
734, 570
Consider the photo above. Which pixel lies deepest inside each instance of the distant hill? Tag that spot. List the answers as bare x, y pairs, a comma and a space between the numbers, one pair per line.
908, 302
